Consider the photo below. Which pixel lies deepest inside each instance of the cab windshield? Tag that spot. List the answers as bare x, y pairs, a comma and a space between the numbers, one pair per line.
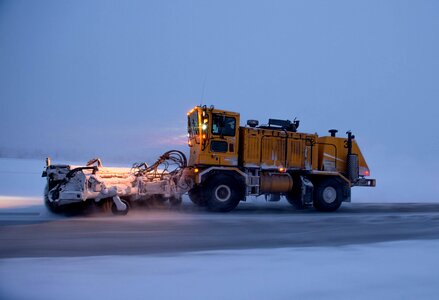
223, 125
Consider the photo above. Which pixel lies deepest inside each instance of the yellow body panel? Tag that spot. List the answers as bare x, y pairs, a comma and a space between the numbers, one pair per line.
265, 148
271, 149
333, 154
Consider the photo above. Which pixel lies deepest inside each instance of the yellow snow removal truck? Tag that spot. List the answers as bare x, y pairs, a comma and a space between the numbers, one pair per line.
231, 162
227, 163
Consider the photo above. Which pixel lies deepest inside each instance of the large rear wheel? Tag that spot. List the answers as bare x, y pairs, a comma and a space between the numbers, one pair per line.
328, 195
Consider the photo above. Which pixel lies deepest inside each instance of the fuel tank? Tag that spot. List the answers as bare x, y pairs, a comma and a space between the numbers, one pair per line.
276, 183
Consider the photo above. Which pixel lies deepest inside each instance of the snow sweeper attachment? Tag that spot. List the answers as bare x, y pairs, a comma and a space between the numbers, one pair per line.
72, 188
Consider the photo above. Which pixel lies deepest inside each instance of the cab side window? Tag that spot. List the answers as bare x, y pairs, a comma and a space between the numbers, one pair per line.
193, 124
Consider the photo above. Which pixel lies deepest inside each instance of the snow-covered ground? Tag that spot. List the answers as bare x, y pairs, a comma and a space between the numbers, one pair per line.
397, 270
392, 270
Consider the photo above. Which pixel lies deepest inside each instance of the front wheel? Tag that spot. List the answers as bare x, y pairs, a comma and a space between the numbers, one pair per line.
328, 195
222, 193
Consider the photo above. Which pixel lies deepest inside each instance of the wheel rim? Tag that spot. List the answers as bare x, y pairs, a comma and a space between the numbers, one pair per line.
223, 193
329, 194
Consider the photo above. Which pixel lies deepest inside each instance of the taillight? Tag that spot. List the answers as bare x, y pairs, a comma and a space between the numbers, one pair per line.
364, 171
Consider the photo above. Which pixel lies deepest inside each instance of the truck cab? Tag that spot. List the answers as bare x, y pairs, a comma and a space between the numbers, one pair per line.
213, 137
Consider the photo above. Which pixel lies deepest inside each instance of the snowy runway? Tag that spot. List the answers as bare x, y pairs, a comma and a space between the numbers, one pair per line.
28, 230
259, 251
396, 270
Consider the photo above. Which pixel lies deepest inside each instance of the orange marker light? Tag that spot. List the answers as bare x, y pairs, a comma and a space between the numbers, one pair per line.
196, 170
281, 169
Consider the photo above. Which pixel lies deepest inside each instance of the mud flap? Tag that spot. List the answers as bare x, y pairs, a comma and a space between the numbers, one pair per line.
346, 194
307, 191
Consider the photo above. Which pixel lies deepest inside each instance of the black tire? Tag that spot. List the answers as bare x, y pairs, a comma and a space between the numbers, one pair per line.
118, 212
294, 197
328, 195
196, 196
223, 193
50, 205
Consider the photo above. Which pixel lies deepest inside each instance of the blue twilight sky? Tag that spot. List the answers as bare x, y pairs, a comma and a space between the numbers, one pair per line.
115, 78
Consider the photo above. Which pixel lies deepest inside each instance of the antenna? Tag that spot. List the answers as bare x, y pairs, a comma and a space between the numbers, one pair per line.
202, 91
